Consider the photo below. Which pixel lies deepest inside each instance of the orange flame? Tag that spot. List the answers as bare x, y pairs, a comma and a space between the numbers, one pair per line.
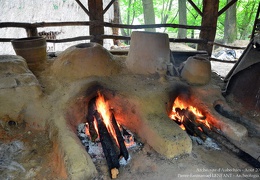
87, 130
179, 104
103, 109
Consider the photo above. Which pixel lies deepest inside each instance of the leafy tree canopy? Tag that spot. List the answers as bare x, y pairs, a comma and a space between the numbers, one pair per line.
166, 11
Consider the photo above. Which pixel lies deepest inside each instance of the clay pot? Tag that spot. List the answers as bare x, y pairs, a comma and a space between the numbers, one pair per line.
196, 70
32, 49
149, 53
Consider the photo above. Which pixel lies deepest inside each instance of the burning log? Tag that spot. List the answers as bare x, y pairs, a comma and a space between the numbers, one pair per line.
107, 146
196, 123
193, 126
120, 139
214, 134
90, 119
189, 122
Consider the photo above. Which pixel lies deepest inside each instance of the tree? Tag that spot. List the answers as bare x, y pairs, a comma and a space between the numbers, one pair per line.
230, 29
245, 17
129, 11
193, 17
182, 33
149, 16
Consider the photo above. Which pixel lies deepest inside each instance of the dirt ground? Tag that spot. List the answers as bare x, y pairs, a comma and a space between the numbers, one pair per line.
36, 156
203, 163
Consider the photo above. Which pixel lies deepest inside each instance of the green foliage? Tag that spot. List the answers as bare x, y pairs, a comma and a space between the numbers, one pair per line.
166, 11
246, 17
131, 11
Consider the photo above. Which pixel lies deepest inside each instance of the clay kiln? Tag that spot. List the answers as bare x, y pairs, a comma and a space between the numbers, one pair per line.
141, 99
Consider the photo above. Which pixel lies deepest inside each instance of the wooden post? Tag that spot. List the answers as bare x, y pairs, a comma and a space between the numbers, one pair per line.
96, 14
209, 22
31, 32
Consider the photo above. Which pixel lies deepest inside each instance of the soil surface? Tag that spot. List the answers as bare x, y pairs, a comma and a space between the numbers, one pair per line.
25, 153
205, 162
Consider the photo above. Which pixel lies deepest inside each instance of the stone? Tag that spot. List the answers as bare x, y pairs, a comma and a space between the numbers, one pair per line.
7, 82
149, 53
12, 64
19, 88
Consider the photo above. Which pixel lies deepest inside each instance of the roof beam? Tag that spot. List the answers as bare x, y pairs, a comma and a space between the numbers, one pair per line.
83, 7
195, 7
108, 6
226, 7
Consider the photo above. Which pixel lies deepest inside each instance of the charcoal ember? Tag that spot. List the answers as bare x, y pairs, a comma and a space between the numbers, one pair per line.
81, 128
82, 136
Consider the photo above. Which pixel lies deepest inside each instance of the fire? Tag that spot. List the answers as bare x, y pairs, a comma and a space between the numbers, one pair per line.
179, 110
104, 110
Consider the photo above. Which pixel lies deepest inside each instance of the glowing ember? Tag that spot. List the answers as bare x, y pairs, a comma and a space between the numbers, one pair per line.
180, 110
128, 137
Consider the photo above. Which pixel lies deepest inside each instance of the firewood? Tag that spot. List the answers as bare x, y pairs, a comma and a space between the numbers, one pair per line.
90, 119
192, 129
107, 144
193, 126
114, 172
190, 123
120, 139
214, 134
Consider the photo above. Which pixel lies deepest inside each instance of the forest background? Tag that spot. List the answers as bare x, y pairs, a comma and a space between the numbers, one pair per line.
235, 24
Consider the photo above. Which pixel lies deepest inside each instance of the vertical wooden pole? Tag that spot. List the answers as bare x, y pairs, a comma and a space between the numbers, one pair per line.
209, 21
96, 15
31, 32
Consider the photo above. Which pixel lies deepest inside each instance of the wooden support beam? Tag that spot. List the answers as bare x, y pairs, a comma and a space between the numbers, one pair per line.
83, 7
31, 32
226, 7
108, 6
209, 19
195, 7
96, 14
